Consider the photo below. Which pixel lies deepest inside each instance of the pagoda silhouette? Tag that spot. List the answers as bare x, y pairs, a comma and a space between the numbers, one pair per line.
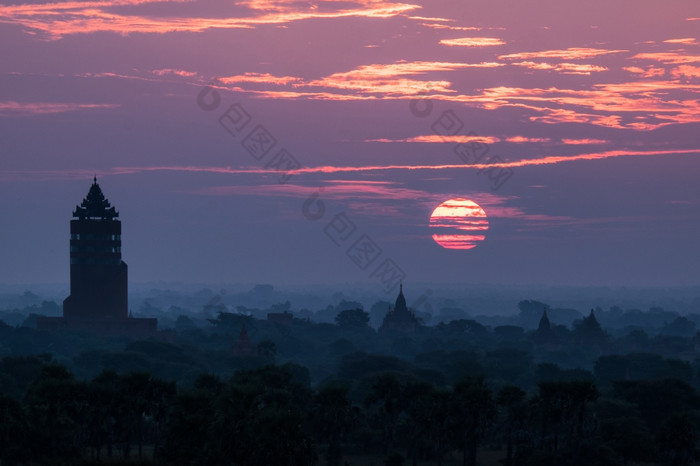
98, 300
399, 320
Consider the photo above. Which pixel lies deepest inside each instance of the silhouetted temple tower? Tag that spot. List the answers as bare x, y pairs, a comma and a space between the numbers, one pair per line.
98, 301
399, 320
98, 276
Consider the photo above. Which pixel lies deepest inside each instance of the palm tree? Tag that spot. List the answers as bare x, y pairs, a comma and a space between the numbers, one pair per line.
428, 417
386, 402
334, 417
513, 400
473, 411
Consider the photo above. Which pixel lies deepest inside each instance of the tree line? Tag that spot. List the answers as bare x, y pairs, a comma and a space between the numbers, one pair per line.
274, 415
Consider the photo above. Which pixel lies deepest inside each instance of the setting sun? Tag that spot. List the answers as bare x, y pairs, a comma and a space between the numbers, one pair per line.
461, 224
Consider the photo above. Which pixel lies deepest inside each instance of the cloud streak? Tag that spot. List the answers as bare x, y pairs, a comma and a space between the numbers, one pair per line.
12, 108
331, 169
641, 104
574, 53
473, 42
673, 57
60, 19
437, 139
366, 81
564, 68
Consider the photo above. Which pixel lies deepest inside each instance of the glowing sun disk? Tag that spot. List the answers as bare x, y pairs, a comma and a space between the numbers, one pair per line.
457, 221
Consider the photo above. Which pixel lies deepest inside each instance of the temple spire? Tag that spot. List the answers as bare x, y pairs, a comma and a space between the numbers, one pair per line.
95, 205
544, 321
400, 304
399, 320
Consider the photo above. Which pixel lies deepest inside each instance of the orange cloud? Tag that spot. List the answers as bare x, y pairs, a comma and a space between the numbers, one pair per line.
56, 20
584, 141
575, 53
523, 139
390, 79
451, 28
392, 86
640, 105
182, 73
565, 68
426, 18
264, 78
684, 41
616, 103
562, 115
403, 68
649, 72
686, 71
473, 42
386, 81
668, 57
636, 105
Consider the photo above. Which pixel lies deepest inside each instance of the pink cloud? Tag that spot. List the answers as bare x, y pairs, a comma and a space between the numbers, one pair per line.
649, 72
523, 139
473, 42
575, 53
435, 138
636, 105
439, 23
265, 78
387, 80
668, 57
331, 169
56, 20
563, 115
684, 41
449, 27
686, 71
565, 68
616, 103
181, 73
12, 108
584, 141
428, 18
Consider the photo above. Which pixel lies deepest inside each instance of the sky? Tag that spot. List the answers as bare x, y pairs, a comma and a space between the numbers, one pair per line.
292, 142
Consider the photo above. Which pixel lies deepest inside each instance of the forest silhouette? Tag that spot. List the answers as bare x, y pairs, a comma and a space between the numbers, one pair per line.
305, 392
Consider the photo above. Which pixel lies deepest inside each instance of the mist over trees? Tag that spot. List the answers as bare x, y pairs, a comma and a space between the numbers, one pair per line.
227, 383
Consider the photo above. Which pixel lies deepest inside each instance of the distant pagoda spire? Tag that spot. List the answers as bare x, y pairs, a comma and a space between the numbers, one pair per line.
244, 347
95, 205
544, 322
400, 304
545, 334
399, 320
